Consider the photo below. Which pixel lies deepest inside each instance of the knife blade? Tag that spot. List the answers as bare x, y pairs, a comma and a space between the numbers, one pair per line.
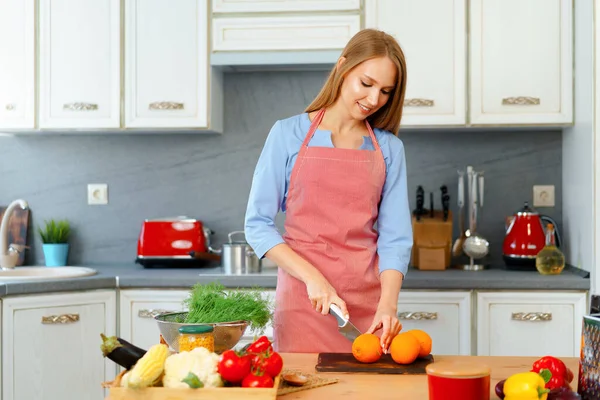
345, 327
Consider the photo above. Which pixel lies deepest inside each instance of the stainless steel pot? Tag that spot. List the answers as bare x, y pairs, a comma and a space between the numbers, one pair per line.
237, 257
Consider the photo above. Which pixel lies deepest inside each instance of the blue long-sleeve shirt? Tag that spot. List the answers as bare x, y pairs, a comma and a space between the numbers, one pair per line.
271, 182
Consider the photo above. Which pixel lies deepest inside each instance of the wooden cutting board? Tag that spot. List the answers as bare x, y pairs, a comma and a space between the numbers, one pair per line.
345, 362
17, 228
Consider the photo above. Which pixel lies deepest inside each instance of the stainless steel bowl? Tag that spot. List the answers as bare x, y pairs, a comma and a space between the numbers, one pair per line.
227, 334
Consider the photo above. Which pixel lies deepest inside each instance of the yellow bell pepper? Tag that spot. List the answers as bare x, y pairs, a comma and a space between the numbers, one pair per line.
525, 386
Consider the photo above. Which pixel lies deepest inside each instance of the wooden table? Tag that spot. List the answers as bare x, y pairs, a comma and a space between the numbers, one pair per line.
413, 387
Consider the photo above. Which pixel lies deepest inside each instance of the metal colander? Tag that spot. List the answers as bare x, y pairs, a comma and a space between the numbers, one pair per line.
227, 334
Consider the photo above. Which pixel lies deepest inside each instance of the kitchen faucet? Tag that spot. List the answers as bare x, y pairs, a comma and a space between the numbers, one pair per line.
9, 258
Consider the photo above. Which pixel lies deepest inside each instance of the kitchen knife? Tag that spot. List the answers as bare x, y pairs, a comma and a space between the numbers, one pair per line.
345, 327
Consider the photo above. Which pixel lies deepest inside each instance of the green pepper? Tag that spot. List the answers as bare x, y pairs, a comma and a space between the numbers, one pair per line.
527, 386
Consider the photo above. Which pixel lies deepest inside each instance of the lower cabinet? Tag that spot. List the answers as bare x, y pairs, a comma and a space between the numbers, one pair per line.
51, 345
445, 316
139, 307
530, 323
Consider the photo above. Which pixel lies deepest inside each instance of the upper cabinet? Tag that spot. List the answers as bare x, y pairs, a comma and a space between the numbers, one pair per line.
166, 65
80, 63
248, 6
432, 34
521, 62
17, 64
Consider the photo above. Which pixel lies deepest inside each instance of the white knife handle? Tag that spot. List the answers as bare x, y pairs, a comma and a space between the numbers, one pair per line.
337, 310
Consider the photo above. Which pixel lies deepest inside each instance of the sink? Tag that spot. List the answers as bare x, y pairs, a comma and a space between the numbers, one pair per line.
36, 273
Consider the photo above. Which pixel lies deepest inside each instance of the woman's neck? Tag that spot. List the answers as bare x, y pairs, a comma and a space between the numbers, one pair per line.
338, 120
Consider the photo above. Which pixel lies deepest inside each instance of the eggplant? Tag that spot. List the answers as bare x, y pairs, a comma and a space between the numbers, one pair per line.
121, 351
563, 393
499, 389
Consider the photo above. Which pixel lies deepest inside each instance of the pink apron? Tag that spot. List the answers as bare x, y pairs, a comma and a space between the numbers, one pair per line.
332, 205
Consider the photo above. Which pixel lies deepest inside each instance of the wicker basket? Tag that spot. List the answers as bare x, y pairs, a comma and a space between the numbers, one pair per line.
589, 361
160, 393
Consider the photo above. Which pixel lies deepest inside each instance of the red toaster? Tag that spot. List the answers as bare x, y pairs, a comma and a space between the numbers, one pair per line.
171, 239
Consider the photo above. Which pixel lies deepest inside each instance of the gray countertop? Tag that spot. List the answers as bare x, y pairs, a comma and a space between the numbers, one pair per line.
129, 276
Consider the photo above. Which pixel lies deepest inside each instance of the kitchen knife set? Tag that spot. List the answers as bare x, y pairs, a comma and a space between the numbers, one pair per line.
420, 210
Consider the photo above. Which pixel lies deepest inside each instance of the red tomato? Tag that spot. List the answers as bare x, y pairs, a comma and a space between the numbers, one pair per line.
260, 345
270, 362
232, 367
258, 381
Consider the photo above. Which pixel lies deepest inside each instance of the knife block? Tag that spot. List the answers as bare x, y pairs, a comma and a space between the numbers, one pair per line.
432, 242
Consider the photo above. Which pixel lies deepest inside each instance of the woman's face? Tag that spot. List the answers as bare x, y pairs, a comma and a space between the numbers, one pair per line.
368, 87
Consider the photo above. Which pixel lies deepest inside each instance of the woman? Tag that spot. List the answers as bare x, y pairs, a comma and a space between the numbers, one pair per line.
336, 170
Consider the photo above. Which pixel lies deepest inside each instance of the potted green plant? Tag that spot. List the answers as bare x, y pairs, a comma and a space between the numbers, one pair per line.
55, 237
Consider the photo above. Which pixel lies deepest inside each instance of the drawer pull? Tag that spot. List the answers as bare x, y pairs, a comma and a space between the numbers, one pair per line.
418, 103
60, 319
10, 107
521, 101
80, 107
166, 105
417, 315
152, 313
533, 317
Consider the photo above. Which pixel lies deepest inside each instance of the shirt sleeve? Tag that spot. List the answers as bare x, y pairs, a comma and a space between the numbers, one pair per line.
394, 223
267, 193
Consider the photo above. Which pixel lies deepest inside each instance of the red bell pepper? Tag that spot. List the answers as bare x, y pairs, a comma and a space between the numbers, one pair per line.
561, 375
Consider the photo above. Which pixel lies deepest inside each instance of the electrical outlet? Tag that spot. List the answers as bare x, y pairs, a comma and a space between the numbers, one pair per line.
543, 195
97, 193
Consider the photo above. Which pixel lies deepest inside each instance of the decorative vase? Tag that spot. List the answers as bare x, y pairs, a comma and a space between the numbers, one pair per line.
56, 254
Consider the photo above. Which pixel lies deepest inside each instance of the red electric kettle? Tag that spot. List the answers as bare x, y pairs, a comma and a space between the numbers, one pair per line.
525, 237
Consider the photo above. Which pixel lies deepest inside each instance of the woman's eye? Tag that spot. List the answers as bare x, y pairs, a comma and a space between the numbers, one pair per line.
365, 85
386, 92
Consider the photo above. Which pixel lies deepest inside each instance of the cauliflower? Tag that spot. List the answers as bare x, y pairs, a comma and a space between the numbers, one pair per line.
200, 362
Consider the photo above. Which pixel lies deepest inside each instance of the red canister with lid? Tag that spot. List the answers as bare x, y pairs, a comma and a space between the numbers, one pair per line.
467, 380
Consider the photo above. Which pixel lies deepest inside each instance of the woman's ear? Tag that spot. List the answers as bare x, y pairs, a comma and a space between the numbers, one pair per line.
340, 61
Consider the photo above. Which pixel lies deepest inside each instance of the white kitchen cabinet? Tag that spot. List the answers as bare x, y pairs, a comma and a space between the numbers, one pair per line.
295, 32
51, 345
17, 64
530, 323
432, 34
168, 83
138, 309
445, 316
521, 62
79, 77
249, 6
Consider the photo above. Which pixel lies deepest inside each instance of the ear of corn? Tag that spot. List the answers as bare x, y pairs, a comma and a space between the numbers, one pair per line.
148, 368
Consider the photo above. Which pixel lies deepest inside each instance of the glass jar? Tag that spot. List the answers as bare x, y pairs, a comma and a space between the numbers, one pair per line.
193, 336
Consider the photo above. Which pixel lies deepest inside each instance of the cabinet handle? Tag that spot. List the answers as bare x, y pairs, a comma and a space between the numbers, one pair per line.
417, 315
165, 105
533, 317
521, 101
10, 107
60, 319
152, 313
80, 106
418, 103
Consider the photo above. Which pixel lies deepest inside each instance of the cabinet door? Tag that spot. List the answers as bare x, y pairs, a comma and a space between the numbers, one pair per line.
306, 32
79, 63
166, 63
17, 64
529, 324
138, 309
521, 62
432, 34
445, 316
246, 6
52, 346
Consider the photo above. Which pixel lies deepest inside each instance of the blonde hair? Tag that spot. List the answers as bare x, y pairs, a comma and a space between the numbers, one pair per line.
365, 45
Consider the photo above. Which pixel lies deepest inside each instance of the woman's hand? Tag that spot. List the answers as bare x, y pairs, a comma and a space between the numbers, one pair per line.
321, 294
386, 319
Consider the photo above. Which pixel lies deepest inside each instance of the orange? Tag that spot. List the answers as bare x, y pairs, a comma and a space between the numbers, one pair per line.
405, 348
424, 340
367, 348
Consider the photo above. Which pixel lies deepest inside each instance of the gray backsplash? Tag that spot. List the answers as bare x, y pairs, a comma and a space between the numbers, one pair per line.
209, 176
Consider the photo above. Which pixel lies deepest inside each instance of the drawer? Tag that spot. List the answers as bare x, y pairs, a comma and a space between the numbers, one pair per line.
530, 324
283, 33
444, 316
248, 6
